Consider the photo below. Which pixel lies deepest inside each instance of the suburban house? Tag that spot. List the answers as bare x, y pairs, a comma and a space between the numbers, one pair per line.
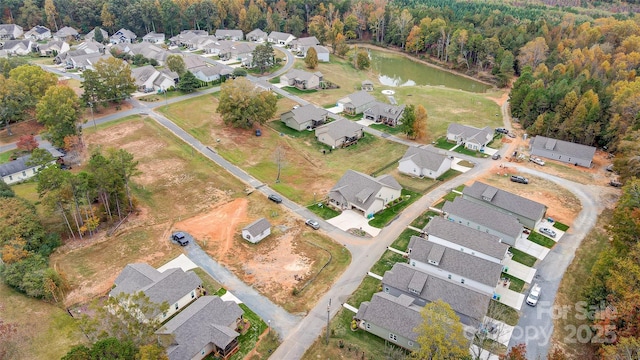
20, 170
257, 230
565, 151
302, 79
148, 50
203, 71
301, 45
18, 47
465, 239
470, 305
91, 35
339, 133
53, 48
149, 79
10, 31
173, 286
322, 53
257, 35
528, 212
366, 85
305, 117
356, 103
424, 162
154, 38
207, 326
65, 33
38, 33
123, 36
185, 36
391, 318
280, 38
483, 218
87, 47
384, 113
472, 138
364, 193
85, 61
235, 35
461, 267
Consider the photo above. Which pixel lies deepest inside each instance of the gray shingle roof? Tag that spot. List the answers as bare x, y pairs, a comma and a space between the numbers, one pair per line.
12, 44
92, 34
465, 236
230, 33
20, 164
307, 113
339, 128
207, 320
470, 305
563, 147
39, 29
470, 133
360, 189
302, 75
257, 227
170, 285
395, 314
426, 157
257, 33
506, 200
456, 262
306, 41
320, 49
279, 35
124, 33
484, 216
142, 74
390, 111
358, 98
67, 31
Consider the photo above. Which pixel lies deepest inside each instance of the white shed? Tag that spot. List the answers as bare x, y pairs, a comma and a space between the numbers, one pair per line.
257, 230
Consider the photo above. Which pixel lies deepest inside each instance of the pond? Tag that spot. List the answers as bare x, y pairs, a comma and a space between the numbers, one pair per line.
395, 70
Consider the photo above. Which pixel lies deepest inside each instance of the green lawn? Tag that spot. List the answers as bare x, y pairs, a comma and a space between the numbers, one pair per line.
422, 220
5, 156
295, 91
325, 212
516, 284
387, 129
402, 242
386, 262
522, 257
383, 218
451, 196
248, 340
460, 188
504, 313
443, 143
560, 226
463, 150
541, 240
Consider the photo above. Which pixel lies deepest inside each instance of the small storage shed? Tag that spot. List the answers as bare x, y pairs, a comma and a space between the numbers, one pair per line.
257, 230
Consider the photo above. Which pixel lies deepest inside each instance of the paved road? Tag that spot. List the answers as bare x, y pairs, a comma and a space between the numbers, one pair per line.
281, 320
536, 323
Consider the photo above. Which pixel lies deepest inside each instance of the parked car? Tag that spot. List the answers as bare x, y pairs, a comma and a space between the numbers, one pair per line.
275, 198
502, 130
534, 295
615, 183
180, 238
258, 132
537, 161
496, 156
314, 224
609, 168
519, 179
548, 232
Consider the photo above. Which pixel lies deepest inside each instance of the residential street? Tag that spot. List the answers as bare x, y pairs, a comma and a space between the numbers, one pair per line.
299, 333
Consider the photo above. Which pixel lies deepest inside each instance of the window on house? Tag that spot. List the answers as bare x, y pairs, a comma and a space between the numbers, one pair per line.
193, 294
386, 289
462, 281
368, 326
10, 177
24, 173
164, 314
393, 337
176, 306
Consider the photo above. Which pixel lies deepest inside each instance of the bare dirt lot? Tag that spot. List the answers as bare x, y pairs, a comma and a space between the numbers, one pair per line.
277, 265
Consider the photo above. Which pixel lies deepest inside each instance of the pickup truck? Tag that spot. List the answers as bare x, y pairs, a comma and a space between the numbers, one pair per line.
534, 295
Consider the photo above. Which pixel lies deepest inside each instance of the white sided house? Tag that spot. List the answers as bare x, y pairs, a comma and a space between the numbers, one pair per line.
424, 162
280, 38
257, 35
471, 137
20, 170
173, 286
38, 33
257, 230
364, 193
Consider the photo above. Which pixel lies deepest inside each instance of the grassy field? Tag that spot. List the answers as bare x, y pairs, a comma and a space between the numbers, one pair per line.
324, 212
422, 220
522, 257
387, 215
516, 284
402, 242
43, 331
541, 240
4, 157
570, 291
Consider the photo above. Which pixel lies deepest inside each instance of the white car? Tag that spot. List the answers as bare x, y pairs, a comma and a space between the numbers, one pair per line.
537, 161
534, 295
548, 232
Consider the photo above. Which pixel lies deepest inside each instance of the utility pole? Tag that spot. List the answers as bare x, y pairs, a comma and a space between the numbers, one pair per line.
328, 311
93, 117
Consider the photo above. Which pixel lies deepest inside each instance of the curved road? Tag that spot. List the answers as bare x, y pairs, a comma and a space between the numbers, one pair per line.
298, 334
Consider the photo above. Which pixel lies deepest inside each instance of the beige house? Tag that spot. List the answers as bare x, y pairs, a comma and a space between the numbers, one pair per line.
340, 133
302, 79
363, 193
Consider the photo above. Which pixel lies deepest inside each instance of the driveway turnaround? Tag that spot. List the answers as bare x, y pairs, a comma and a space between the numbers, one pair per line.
350, 219
281, 320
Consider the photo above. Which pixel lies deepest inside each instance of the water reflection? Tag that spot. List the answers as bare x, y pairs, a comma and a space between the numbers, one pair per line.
394, 70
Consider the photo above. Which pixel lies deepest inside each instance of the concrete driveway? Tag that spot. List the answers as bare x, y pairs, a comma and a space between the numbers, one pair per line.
350, 219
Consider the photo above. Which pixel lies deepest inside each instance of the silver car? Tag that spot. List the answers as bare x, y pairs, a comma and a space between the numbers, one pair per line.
314, 224
548, 232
